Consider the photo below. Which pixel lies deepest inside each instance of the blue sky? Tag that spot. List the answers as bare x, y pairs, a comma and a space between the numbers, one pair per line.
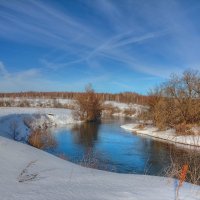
117, 45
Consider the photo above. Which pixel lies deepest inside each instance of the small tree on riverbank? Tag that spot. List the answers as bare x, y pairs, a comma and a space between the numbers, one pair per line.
88, 105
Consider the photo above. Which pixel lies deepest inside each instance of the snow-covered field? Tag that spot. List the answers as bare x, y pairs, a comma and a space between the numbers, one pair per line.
168, 135
27, 173
66, 103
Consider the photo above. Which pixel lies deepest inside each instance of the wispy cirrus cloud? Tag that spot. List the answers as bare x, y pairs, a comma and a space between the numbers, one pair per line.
148, 37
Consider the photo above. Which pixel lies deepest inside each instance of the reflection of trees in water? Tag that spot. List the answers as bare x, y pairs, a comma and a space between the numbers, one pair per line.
86, 134
42, 139
164, 152
170, 160
162, 160
90, 159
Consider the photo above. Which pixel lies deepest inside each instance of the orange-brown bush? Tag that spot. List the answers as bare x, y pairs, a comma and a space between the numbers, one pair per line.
89, 106
140, 126
190, 157
24, 103
41, 138
176, 103
184, 129
129, 111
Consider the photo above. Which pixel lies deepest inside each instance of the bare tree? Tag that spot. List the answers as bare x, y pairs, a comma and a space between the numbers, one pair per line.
89, 105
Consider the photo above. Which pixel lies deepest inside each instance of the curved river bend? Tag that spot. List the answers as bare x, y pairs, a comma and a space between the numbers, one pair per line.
108, 147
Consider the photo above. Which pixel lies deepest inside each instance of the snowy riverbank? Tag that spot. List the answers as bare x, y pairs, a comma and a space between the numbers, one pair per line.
28, 173
15, 119
168, 135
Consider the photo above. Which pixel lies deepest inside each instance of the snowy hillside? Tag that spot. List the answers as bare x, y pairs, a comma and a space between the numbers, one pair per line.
15, 119
28, 174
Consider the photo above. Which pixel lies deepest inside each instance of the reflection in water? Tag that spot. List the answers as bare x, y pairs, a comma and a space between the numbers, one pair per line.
107, 146
86, 134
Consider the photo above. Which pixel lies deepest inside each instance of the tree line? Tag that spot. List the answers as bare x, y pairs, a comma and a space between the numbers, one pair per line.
125, 97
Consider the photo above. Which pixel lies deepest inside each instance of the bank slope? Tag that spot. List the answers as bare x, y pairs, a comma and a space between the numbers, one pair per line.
28, 174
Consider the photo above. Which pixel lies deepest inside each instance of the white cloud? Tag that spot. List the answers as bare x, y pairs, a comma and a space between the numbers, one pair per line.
18, 81
34, 80
3, 71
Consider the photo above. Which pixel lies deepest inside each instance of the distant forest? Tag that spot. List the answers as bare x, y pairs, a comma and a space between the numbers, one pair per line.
125, 97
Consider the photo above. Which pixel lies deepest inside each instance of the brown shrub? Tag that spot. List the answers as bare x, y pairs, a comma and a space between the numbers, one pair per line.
24, 103
41, 139
176, 103
129, 111
89, 106
190, 157
140, 126
184, 129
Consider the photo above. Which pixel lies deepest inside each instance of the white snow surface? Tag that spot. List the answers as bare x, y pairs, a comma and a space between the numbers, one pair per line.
29, 174
13, 118
168, 135
58, 102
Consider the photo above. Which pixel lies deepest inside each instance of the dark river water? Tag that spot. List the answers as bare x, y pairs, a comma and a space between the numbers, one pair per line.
107, 146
